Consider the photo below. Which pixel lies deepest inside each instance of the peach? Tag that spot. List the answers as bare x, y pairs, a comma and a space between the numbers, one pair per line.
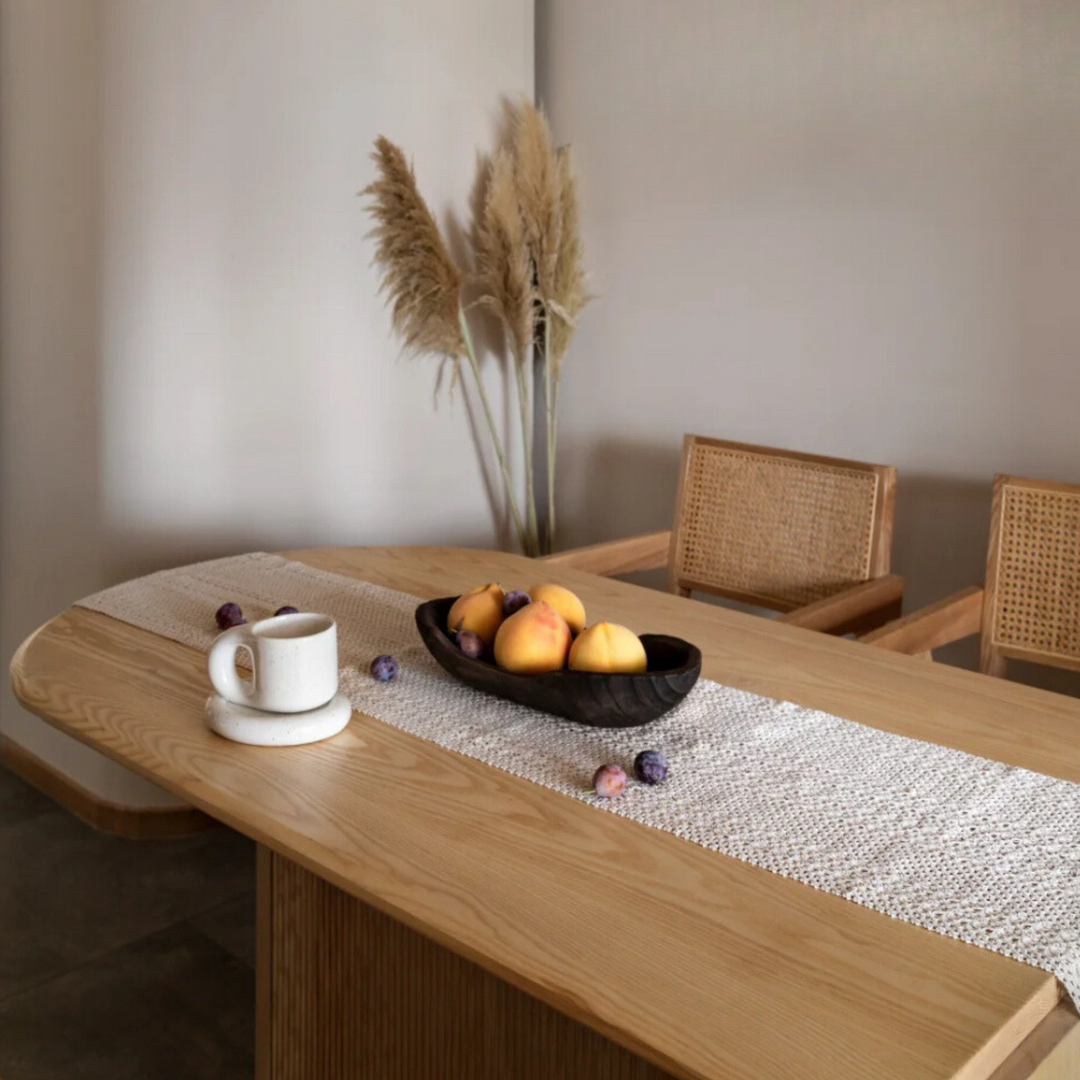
479, 610
609, 648
533, 640
564, 602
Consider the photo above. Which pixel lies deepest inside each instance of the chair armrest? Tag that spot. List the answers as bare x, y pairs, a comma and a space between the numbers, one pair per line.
957, 616
854, 610
645, 552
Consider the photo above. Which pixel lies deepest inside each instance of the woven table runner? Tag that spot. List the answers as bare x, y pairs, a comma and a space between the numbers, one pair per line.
970, 848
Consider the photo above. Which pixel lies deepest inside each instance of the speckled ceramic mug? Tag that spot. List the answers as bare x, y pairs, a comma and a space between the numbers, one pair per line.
294, 661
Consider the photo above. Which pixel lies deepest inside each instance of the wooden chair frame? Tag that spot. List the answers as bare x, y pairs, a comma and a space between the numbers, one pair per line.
980, 609
852, 609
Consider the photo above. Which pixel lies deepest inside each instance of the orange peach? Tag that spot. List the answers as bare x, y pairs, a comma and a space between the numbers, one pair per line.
610, 648
533, 640
479, 610
564, 602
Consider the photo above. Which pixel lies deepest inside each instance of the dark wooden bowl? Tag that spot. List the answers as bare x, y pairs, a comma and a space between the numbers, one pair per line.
584, 696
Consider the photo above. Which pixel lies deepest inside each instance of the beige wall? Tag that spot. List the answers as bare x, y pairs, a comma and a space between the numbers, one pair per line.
845, 228
194, 360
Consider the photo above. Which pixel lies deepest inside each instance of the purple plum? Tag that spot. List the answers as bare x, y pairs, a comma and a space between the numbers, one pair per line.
515, 600
470, 644
609, 781
288, 609
650, 766
384, 668
229, 615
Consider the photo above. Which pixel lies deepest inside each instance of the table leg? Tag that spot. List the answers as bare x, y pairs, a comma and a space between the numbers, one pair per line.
1050, 1052
345, 992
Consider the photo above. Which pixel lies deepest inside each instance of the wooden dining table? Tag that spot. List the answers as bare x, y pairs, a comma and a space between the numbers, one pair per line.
422, 914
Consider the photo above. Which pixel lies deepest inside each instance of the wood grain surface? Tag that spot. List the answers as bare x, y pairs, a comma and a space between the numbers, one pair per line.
955, 617
1050, 1052
613, 557
852, 610
356, 995
706, 966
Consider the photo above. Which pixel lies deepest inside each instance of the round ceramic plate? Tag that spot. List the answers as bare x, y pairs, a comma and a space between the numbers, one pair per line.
256, 728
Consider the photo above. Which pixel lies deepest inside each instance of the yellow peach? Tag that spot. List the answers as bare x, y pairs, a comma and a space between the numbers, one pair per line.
564, 602
610, 648
533, 640
479, 610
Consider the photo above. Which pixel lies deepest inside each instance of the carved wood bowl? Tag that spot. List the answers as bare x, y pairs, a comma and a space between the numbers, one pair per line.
584, 696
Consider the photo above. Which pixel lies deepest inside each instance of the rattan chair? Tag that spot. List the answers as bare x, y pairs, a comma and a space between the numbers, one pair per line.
804, 535
1029, 608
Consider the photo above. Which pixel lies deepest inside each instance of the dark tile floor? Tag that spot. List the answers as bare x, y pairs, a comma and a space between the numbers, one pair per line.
122, 958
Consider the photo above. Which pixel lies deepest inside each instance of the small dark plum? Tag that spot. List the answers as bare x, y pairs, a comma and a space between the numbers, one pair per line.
515, 600
470, 644
650, 766
229, 615
384, 668
288, 609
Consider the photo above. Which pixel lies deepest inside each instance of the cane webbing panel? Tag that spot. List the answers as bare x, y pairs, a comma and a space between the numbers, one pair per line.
1037, 602
782, 529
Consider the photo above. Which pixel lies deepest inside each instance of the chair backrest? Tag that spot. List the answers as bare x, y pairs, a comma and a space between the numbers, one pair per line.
1031, 607
776, 528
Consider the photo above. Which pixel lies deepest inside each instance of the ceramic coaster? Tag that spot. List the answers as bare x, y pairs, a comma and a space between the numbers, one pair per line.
244, 725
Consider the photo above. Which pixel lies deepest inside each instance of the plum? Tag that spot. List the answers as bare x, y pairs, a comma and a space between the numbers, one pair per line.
470, 644
650, 766
609, 781
384, 668
515, 600
229, 615
288, 609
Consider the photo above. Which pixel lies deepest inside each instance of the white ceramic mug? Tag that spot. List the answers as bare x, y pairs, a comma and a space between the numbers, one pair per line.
294, 661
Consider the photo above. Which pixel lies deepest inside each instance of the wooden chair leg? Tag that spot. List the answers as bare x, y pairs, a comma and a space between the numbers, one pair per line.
991, 662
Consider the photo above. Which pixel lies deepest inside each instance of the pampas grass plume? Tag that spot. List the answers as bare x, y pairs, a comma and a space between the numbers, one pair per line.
419, 278
568, 281
536, 176
504, 268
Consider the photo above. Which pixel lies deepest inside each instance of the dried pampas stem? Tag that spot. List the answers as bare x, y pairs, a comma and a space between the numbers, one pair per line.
422, 284
528, 545
537, 181
528, 273
420, 279
568, 285
505, 279
537, 177
504, 272
560, 315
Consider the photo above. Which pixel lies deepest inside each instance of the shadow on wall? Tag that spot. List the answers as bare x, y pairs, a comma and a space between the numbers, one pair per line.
150, 551
616, 487
940, 534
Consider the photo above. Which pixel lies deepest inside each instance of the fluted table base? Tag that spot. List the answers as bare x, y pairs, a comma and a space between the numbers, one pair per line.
348, 993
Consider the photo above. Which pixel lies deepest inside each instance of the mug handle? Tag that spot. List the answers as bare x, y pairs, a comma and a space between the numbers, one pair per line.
221, 662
